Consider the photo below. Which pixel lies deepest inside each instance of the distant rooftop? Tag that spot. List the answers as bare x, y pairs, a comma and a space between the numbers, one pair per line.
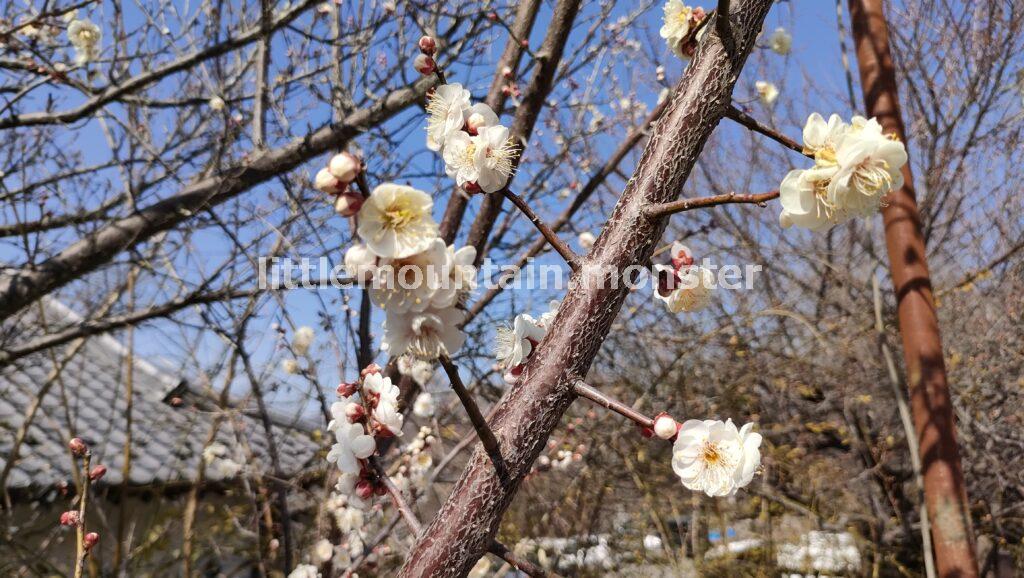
171, 420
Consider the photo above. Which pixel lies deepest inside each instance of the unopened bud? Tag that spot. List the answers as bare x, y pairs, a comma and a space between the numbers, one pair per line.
347, 389
364, 489
664, 426
524, 43
369, 370
506, 90
506, 72
90, 540
70, 518
176, 401
355, 412
474, 123
428, 45
348, 204
78, 447
345, 167
424, 64
492, 16
98, 472
325, 182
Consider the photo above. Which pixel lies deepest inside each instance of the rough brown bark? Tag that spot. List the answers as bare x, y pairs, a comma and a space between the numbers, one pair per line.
523, 420
96, 249
944, 489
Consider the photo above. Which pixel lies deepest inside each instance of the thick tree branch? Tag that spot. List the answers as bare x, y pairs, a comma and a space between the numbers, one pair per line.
467, 522
24, 286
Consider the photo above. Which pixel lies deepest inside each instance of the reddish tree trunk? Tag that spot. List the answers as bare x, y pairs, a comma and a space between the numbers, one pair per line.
469, 519
944, 490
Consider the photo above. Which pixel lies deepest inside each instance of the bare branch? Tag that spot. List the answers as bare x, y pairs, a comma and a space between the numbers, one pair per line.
664, 209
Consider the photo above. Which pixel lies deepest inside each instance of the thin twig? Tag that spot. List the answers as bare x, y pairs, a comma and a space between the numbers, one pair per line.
670, 208
483, 431
571, 258
584, 390
748, 121
80, 549
521, 564
396, 496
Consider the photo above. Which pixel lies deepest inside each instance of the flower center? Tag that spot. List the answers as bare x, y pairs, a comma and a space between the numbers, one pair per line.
499, 159
711, 455
398, 217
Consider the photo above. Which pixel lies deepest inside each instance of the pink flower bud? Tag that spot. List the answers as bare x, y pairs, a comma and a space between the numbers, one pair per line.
507, 72
355, 412
364, 489
348, 204
524, 43
682, 258
428, 45
345, 167
424, 64
70, 518
90, 540
369, 369
347, 389
78, 447
664, 426
492, 16
506, 90
98, 472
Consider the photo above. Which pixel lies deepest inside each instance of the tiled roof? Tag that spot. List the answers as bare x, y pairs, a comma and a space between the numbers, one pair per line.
167, 440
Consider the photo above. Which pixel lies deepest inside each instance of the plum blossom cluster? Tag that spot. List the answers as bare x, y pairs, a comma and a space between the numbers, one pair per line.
357, 425
477, 150
416, 461
411, 273
711, 456
683, 286
514, 342
302, 339
855, 167
679, 22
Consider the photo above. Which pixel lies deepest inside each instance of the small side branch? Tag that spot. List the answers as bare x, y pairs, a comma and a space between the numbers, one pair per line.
748, 121
521, 564
483, 431
584, 390
559, 245
671, 208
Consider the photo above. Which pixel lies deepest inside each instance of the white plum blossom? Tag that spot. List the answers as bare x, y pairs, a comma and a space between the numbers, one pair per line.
428, 334
586, 240
767, 92
218, 461
419, 370
446, 109
361, 263
85, 37
217, 103
388, 417
713, 457
461, 280
687, 289
424, 406
485, 159
302, 339
652, 542
305, 571
380, 388
395, 221
409, 283
513, 345
290, 366
855, 166
548, 316
781, 42
352, 443
344, 167
323, 550
679, 19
